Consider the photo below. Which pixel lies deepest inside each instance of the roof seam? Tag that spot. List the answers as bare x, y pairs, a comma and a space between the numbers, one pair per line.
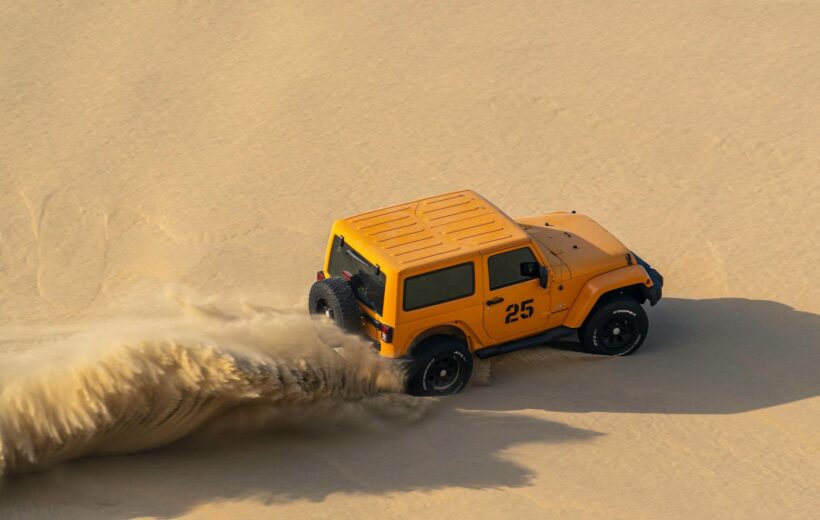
456, 213
420, 249
482, 233
384, 222
491, 221
411, 242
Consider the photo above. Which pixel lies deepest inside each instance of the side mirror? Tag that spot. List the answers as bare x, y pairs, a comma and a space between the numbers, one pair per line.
534, 269
529, 269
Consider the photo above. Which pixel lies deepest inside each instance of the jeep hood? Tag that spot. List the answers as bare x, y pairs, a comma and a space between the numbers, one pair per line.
582, 245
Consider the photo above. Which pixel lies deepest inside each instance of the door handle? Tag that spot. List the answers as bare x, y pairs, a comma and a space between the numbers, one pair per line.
497, 299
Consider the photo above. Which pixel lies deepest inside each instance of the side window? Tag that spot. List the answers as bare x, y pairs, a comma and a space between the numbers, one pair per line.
505, 268
439, 286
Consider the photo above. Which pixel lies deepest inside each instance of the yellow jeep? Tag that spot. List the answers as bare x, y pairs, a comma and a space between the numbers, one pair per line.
437, 280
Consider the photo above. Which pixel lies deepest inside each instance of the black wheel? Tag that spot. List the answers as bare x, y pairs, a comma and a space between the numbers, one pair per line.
615, 328
442, 365
335, 299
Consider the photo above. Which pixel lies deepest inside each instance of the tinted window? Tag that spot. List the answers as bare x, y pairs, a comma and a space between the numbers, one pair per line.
367, 281
439, 286
505, 268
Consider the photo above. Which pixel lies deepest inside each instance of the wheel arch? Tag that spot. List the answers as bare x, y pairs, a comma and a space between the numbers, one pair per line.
637, 292
448, 331
632, 281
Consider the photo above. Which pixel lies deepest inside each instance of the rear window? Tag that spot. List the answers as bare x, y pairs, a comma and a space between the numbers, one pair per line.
366, 279
444, 285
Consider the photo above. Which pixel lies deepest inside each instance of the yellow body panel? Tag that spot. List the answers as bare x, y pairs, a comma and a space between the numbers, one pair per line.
582, 244
582, 258
430, 231
602, 284
523, 311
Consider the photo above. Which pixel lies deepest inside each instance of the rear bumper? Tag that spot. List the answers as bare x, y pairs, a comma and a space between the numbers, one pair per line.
654, 293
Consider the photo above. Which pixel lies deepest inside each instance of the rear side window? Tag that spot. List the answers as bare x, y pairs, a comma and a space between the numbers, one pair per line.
366, 279
444, 285
505, 268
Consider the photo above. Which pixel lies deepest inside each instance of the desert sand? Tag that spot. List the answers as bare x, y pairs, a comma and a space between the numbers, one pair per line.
161, 163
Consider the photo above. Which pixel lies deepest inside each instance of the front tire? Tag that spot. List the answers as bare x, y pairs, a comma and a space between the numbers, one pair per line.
442, 365
615, 328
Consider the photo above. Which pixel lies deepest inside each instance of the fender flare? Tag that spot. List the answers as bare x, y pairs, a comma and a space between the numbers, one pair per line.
458, 329
598, 286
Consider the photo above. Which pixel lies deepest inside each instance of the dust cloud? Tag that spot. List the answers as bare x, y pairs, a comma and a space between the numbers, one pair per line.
133, 385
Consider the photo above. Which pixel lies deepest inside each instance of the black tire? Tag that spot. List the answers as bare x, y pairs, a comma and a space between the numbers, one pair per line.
615, 327
334, 298
442, 365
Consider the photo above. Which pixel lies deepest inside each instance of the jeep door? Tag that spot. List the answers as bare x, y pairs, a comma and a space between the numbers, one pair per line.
515, 304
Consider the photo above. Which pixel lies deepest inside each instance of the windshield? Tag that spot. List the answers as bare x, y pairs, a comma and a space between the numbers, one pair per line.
366, 279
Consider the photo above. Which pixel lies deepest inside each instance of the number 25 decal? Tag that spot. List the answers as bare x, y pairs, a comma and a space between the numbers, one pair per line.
513, 308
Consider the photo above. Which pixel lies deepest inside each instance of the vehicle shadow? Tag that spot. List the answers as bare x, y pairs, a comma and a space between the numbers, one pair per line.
447, 448
714, 356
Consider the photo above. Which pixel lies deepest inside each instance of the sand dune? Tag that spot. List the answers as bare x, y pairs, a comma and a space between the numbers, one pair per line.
210, 146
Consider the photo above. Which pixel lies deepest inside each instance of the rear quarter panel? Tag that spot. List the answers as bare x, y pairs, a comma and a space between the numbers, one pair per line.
464, 313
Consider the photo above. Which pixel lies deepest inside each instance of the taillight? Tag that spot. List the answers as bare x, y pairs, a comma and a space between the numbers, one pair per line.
347, 275
386, 332
320, 275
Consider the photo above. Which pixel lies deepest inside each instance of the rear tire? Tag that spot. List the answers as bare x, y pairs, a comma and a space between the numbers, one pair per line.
615, 328
442, 365
334, 298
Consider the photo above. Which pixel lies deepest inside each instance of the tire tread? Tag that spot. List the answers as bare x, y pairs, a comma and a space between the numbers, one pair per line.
340, 297
602, 311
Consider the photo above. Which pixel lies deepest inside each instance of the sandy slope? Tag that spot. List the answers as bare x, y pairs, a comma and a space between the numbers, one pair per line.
144, 144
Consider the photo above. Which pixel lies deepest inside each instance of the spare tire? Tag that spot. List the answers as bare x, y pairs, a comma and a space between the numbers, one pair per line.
334, 297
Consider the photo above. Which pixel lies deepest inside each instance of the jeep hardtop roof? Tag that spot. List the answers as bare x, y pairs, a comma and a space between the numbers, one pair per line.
430, 230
